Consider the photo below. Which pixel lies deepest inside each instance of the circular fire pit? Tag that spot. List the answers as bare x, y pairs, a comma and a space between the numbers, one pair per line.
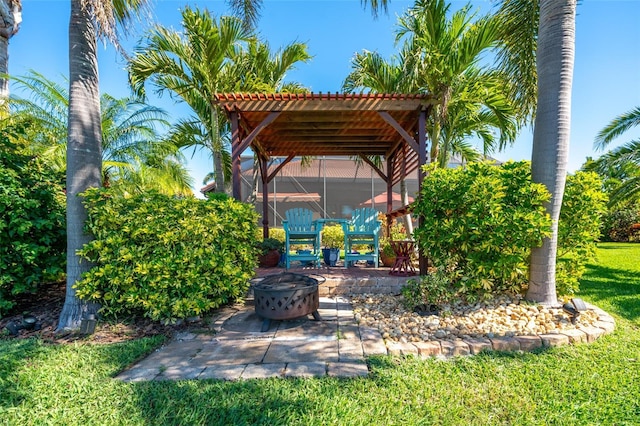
286, 296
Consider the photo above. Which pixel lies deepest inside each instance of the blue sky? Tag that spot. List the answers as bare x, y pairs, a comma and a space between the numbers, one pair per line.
606, 76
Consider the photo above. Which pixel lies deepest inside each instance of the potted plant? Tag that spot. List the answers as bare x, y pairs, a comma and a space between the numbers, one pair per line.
387, 255
270, 251
332, 241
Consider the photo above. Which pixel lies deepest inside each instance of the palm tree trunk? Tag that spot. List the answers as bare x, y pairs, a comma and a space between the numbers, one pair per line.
404, 196
219, 171
10, 19
84, 161
555, 58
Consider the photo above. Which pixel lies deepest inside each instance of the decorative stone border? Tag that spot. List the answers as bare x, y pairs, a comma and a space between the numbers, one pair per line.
441, 348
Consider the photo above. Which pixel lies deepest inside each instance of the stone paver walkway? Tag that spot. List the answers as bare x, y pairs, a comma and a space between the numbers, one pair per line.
235, 348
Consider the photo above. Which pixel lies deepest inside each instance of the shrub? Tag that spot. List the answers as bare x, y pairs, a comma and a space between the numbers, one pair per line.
433, 289
332, 236
616, 224
32, 222
167, 257
583, 206
278, 234
480, 222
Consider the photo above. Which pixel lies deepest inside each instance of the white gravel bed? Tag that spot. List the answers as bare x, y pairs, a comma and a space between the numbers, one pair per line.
503, 316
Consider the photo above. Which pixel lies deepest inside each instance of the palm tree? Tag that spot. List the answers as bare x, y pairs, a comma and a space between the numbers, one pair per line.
443, 51
89, 19
10, 19
540, 32
194, 67
625, 158
554, 61
211, 57
472, 100
129, 134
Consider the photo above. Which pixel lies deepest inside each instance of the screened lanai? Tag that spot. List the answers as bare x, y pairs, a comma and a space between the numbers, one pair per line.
287, 125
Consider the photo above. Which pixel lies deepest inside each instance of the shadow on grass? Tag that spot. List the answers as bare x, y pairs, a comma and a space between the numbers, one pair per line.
620, 288
214, 402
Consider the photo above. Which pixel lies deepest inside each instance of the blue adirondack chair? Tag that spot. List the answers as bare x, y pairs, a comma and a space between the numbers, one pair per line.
362, 229
301, 229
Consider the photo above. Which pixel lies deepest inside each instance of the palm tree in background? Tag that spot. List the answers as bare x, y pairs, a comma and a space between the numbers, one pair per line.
193, 67
624, 159
213, 56
130, 136
472, 100
441, 55
10, 19
555, 51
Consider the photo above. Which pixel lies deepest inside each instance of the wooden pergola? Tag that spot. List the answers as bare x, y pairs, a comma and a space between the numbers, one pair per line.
314, 124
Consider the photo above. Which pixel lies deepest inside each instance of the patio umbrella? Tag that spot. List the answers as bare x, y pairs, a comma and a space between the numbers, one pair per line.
381, 200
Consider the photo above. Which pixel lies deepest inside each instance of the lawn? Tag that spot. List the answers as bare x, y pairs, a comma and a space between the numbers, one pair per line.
598, 383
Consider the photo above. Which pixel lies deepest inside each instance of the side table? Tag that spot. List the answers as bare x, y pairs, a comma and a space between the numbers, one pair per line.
403, 250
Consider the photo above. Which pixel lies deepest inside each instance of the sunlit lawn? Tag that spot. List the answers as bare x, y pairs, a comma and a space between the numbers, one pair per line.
595, 384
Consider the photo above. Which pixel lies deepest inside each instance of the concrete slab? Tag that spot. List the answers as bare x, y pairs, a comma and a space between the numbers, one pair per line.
477, 345
347, 369
302, 351
306, 369
550, 340
529, 343
173, 354
233, 352
263, 371
428, 349
222, 372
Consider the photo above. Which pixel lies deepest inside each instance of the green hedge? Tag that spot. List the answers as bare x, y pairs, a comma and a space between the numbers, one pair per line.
165, 257
583, 206
32, 221
479, 223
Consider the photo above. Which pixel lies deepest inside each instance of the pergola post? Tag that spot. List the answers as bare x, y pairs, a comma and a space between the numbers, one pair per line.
422, 160
265, 196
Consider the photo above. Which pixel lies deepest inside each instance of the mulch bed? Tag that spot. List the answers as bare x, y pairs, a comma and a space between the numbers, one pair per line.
46, 306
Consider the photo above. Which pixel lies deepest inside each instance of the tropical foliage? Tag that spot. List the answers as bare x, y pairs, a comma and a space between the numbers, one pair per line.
32, 225
583, 208
479, 224
211, 56
134, 156
440, 54
625, 159
164, 257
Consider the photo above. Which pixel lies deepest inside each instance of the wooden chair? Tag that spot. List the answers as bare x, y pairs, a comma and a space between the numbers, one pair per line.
301, 229
362, 229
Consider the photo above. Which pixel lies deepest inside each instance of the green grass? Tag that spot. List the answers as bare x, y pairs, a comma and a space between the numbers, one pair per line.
595, 384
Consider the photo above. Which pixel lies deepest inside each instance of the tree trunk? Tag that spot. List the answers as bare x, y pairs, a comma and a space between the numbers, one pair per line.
555, 58
10, 19
84, 159
404, 196
219, 171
